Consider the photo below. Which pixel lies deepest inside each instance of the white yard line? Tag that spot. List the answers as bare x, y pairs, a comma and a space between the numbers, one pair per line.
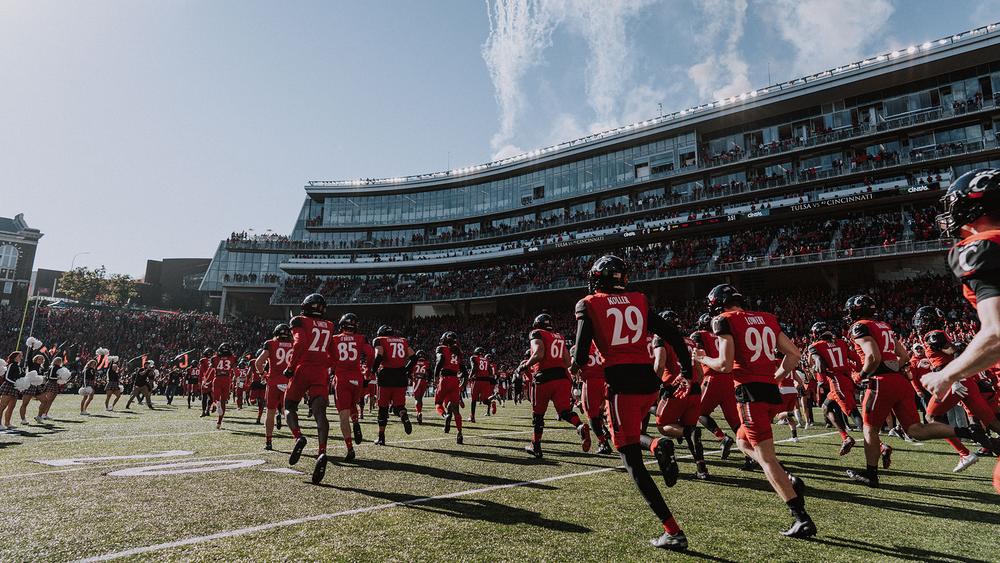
263, 452
320, 517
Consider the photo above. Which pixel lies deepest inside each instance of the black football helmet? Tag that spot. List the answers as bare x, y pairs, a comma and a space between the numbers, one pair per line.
207, 353
671, 317
705, 321
609, 274
543, 321
314, 305
859, 307
722, 296
225, 349
968, 198
348, 322
927, 319
282, 331
821, 331
449, 338
917, 349
479, 351
384, 330
420, 354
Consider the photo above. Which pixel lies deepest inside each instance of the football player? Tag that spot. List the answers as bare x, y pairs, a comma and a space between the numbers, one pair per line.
220, 375
749, 344
275, 354
392, 358
448, 366
716, 388
419, 368
618, 320
883, 358
929, 325
206, 390
552, 382
481, 373
594, 394
308, 372
833, 360
349, 354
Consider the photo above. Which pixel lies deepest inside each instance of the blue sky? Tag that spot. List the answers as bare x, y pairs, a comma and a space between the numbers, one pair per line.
135, 129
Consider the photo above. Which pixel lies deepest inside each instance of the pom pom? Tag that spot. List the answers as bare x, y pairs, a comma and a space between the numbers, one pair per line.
3, 371
113, 359
88, 390
3, 363
63, 375
30, 343
102, 352
34, 378
22, 384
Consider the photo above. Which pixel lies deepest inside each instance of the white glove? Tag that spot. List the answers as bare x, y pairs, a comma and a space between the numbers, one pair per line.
959, 389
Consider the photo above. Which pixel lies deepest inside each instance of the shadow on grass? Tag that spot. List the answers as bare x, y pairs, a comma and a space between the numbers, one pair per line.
443, 474
523, 459
901, 551
471, 509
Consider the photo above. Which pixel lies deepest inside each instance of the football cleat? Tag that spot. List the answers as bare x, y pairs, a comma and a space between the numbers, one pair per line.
846, 445
350, 455
319, 470
458, 438
664, 454
964, 462
701, 471
727, 447
534, 449
886, 456
380, 441
447, 422
863, 478
420, 418
604, 448
300, 444
407, 425
268, 446
585, 436
675, 542
801, 529
749, 464
357, 433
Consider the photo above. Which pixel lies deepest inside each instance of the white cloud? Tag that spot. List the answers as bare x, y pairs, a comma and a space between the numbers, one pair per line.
827, 34
723, 72
520, 31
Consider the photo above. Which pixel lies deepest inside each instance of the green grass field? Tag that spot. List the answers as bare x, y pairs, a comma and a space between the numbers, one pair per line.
423, 498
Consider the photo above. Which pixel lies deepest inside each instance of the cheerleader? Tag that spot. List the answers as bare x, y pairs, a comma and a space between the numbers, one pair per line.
87, 386
113, 388
50, 390
8, 393
34, 391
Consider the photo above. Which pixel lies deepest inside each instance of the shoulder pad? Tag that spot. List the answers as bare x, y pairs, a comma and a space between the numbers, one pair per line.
440, 349
937, 340
535, 334
720, 325
295, 322
860, 330
658, 342
581, 308
967, 260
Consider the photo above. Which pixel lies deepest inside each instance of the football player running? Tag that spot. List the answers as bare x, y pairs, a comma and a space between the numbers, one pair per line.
276, 355
349, 353
619, 321
550, 353
391, 365
832, 360
308, 370
972, 212
716, 388
749, 344
448, 366
883, 358
419, 368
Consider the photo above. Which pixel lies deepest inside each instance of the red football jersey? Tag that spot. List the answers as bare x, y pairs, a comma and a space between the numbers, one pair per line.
975, 258
347, 351
620, 322
421, 369
279, 353
884, 339
204, 366
595, 364
224, 366
708, 342
451, 361
310, 342
755, 340
480, 367
553, 346
393, 350
835, 357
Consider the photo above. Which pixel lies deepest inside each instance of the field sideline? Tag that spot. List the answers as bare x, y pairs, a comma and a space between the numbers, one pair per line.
422, 497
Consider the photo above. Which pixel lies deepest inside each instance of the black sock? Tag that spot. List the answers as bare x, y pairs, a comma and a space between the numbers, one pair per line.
632, 458
797, 506
872, 470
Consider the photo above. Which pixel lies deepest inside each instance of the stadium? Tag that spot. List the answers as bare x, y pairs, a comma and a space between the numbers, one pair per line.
674, 289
